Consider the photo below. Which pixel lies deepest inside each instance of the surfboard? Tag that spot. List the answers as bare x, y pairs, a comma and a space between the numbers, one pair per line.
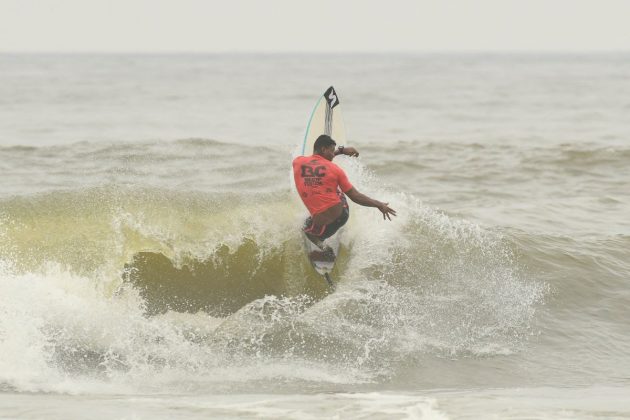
326, 118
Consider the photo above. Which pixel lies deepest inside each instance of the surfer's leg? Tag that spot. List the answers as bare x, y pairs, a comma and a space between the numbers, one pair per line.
332, 228
313, 232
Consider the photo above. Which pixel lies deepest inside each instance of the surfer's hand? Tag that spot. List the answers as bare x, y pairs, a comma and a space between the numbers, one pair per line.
350, 151
386, 210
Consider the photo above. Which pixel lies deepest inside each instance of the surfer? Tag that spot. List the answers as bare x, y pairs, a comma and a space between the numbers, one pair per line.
322, 185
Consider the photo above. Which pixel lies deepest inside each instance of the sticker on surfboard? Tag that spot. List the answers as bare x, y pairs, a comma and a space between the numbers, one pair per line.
331, 97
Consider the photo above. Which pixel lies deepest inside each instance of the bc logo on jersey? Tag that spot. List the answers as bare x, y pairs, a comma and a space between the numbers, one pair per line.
309, 171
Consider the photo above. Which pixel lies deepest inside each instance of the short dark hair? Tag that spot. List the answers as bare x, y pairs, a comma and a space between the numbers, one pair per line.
323, 141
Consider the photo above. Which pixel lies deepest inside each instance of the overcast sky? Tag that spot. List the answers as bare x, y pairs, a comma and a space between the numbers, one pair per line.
313, 26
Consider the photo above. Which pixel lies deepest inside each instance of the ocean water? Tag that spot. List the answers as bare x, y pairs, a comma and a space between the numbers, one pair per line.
151, 263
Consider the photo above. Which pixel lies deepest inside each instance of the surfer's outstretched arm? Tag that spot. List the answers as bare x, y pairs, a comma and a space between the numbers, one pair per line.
366, 201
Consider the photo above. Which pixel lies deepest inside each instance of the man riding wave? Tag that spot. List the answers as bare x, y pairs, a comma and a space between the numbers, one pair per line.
323, 187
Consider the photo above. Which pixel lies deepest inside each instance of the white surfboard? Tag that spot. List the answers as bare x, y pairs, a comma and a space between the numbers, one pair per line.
326, 118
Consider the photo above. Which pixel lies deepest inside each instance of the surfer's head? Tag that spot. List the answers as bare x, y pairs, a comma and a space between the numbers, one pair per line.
325, 146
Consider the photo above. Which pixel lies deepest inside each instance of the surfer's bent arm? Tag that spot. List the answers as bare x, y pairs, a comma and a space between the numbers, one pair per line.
348, 151
366, 201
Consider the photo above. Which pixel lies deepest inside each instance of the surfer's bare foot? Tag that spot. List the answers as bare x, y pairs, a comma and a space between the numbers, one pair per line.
329, 253
326, 255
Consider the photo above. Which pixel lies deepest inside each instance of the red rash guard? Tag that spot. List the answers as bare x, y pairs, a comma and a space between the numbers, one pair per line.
317, 179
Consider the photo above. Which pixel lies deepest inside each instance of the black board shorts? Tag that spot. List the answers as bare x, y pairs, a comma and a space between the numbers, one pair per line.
326, 231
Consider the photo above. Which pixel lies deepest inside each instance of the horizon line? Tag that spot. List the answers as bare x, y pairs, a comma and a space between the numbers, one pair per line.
320, 52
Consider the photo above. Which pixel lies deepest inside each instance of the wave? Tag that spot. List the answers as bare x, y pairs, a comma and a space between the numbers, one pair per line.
116, 282
475, 157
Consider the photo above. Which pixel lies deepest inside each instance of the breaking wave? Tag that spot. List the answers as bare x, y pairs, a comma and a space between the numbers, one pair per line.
127, 286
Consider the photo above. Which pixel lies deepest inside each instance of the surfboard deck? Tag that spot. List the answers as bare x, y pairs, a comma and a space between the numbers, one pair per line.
326, 118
